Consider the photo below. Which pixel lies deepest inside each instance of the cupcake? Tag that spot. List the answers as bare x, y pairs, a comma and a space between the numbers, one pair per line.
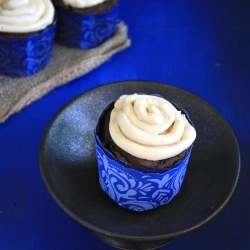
27, 32
143, 144
85, 24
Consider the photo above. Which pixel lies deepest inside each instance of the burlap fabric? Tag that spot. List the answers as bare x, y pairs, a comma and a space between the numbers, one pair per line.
66, 64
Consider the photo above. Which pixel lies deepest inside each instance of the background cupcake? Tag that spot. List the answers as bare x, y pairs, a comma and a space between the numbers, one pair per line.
85, 24
27, 31
143, 145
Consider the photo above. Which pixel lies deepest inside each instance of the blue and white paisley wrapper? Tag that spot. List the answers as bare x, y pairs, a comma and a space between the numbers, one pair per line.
138, 189
21, 58
85, 31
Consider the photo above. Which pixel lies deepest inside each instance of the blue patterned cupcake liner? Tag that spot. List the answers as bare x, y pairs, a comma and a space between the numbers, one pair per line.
25, 57
138, 189
85, 31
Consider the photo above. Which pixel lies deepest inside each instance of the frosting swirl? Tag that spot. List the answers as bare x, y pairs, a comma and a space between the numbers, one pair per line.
83, 3
150, 127
24, 16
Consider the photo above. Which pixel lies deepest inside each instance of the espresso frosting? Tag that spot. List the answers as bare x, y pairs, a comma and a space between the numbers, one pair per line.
149, 127
24, 16
83, 3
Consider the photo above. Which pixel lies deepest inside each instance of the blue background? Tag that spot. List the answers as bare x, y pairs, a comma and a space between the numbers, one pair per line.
200, 46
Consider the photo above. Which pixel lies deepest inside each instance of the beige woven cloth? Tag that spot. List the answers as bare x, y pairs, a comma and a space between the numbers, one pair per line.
66, 64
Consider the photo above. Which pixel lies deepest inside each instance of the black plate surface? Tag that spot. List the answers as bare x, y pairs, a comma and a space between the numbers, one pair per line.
69, 169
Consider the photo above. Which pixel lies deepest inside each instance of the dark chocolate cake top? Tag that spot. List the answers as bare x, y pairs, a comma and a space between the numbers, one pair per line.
95, 9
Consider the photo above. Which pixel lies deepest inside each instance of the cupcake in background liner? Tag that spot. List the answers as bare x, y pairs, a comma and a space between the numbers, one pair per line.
143, 145
27, 32
85, 24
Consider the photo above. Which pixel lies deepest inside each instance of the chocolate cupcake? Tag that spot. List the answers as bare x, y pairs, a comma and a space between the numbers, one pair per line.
143, 145
85, 24
27, 32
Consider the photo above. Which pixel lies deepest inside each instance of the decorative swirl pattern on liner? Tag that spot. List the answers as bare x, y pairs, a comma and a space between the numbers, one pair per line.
85, 31
150, 127
19, 58
135, 190
83, 3
24, 16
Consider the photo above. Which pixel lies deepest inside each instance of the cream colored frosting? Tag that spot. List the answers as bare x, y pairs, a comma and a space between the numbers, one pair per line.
24, 16
150, 127
83, 3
